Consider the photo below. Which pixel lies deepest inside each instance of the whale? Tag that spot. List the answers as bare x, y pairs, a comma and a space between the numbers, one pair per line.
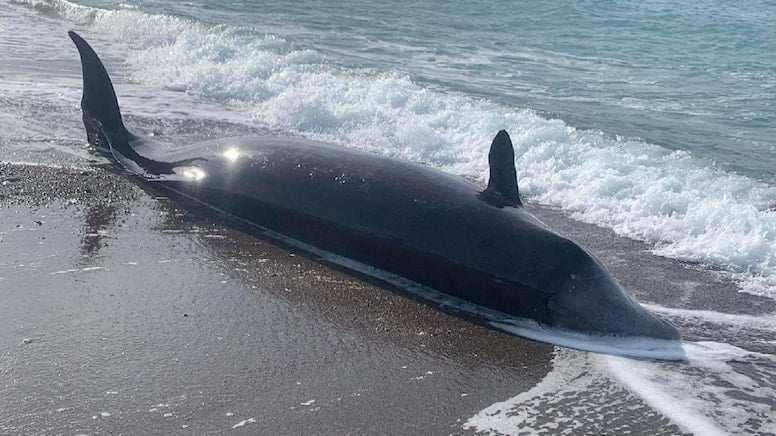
435, 234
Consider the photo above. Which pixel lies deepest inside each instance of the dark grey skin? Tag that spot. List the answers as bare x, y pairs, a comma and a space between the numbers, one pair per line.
430, 227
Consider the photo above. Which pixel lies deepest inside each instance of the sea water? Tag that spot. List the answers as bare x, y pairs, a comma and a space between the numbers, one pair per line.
652, 119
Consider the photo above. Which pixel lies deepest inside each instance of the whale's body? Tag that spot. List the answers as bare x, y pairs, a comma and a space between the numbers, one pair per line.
407, 220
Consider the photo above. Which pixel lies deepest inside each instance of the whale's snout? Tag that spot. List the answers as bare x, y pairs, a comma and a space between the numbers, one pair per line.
591, 300
604, 308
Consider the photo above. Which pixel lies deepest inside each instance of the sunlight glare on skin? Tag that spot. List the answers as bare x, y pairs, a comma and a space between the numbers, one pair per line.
231, 154
193, 173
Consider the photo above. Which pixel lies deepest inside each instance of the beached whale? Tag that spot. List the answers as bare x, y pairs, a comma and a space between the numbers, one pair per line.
438, 234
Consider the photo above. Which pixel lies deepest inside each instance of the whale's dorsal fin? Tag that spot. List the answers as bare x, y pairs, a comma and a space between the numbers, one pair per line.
502, 185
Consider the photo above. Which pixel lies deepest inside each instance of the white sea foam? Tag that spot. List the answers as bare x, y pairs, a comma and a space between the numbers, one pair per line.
687, 208
244, 422
696, 396
765, 322
721, 389
575, 387
521, 414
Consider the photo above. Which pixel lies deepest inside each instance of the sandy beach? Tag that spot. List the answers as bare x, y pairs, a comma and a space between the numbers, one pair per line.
126, 313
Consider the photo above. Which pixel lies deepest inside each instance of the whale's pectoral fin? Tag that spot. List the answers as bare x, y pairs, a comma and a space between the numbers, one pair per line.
502, 185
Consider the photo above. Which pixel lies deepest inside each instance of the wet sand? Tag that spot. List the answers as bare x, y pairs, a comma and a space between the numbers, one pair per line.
123, 312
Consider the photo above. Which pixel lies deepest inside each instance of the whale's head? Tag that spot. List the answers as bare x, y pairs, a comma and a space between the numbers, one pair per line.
581, 305
579, 297
585, 297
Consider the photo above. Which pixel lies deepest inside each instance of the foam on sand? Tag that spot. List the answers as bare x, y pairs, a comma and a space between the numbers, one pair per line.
698, 397
575, 397
720, 389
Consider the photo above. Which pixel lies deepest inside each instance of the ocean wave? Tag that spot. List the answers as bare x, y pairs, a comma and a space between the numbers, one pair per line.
687, 208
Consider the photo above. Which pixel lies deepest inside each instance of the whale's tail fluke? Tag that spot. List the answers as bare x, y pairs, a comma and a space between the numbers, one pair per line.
101, 114
502, 185
102, 118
